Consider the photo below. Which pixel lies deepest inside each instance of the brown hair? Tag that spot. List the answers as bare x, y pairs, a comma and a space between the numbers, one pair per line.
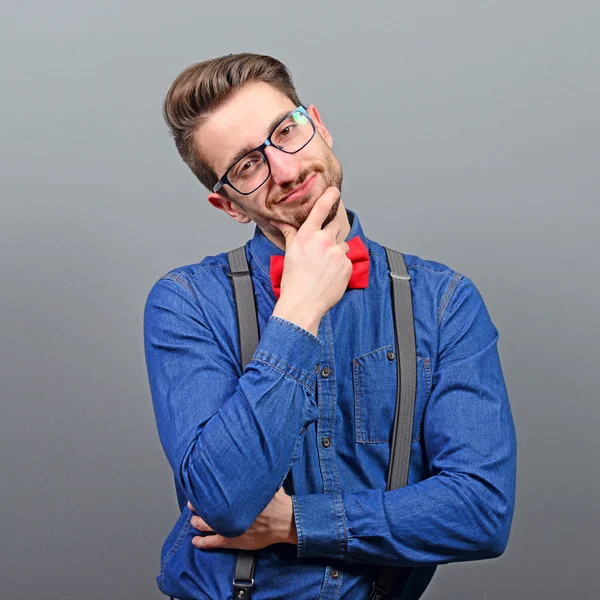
203, 87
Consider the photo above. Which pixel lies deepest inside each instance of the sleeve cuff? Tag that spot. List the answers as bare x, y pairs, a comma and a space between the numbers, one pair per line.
290, 349
321, 526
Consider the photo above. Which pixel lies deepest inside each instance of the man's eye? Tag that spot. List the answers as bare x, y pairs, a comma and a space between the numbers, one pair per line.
246, 166
286, 131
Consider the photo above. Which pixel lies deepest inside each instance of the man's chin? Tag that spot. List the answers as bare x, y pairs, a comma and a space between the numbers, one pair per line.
298, 217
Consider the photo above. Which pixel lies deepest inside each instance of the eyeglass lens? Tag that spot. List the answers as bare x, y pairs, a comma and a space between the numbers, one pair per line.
252, 170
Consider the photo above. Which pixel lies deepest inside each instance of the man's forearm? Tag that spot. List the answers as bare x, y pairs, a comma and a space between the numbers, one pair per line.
229, 439
439, 520
245, 450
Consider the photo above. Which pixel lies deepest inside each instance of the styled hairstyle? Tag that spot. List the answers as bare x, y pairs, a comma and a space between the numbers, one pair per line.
203, 87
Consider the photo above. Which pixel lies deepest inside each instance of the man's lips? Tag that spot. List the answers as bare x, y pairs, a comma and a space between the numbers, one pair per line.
300, 190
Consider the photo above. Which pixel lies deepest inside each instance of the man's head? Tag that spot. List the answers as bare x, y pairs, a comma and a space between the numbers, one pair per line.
219, 109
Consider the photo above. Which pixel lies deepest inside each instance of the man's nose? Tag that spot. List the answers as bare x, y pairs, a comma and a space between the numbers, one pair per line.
285, 168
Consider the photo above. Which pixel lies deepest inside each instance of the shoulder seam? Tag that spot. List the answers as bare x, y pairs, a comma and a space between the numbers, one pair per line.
454, 281
181, 281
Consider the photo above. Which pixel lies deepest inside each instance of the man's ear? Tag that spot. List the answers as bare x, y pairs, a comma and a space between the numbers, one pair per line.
316, 117
229, 207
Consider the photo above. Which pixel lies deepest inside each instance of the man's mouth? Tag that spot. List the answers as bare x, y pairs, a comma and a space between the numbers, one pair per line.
300, 190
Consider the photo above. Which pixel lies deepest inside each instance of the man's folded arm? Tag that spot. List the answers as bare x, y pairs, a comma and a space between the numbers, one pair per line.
464, 510
229, 437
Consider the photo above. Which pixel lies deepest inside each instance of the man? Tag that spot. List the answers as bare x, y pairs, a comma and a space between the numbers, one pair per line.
290, 456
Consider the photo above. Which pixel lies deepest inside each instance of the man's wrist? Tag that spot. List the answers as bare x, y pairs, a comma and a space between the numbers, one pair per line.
301, 316
290, 535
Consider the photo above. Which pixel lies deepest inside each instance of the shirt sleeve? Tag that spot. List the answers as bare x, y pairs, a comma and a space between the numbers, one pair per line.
463, 511
229, 437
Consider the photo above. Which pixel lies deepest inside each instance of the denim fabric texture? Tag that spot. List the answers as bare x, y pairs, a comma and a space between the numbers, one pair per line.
315, 414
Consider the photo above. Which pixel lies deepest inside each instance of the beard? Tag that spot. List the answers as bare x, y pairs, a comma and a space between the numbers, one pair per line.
296, 215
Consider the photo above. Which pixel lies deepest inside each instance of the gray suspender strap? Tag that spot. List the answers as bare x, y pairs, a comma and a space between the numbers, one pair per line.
244, 301
243, 580
406, 368
405, 399
405, 395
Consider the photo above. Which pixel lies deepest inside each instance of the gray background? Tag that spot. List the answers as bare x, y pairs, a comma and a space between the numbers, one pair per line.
468, 132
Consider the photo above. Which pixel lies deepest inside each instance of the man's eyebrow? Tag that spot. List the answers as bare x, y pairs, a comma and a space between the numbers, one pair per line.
270, 128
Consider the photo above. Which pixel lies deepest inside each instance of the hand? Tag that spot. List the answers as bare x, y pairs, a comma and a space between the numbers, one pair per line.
316, 269
274, 525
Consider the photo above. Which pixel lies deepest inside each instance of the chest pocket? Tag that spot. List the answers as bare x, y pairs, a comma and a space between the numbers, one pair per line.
374, 383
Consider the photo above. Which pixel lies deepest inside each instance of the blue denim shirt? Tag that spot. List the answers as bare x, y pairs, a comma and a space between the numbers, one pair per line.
315, 415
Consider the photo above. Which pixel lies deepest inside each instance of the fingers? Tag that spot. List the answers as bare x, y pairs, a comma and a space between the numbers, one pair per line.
190, 506
212, 541
200, 524
321, 209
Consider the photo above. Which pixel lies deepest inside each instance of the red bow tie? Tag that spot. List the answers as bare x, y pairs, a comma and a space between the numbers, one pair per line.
358, 254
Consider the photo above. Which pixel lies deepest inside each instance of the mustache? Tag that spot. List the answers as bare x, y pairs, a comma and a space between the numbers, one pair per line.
288, 187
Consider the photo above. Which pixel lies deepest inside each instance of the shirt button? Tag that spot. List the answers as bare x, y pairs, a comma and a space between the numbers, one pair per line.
326, 372
391, 355
334, 573
326, 442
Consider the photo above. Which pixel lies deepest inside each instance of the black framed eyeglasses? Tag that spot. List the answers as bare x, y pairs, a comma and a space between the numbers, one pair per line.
249, 172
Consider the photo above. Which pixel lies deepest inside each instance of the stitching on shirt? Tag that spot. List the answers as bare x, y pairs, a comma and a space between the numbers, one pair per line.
383, 259
359, 420
266, 356
456, 279
179, 279
204, 267
295, 327
333, 405
444, 272
299, 528
373, 351
337, 524
259, 264
298, 438
262, 353
427, 393
375, 254
270, 364
283, 372
357, 403
174, 548
344, 548
338, 586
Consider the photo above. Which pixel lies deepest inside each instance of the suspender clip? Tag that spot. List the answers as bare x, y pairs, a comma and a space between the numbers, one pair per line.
242, 589
378, 592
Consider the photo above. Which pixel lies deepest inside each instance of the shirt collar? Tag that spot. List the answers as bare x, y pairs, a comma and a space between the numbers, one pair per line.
262, 248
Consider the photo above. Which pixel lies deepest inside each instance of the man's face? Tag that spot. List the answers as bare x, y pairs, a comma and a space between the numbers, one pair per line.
243, 123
